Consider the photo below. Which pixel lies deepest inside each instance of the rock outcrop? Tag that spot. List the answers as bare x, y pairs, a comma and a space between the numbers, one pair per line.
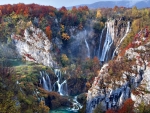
111, 92
34, 46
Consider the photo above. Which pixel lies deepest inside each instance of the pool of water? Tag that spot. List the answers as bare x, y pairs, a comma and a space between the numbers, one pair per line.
15, 62
62, 110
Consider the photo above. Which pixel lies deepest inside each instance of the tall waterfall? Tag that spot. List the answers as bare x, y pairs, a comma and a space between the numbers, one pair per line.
127, 30
62, 86
108, 41
45, 80
100, 43
87, 46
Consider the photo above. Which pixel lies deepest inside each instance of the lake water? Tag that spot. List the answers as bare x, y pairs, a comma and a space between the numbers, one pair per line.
62, 110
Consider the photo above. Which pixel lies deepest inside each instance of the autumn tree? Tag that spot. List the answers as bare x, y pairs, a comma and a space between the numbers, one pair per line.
98, 26
65, 36
43, 108
48, 32
1, 13
64, 59
74, 9
98, 14
134, 11
110, 111
128, 107
115, 9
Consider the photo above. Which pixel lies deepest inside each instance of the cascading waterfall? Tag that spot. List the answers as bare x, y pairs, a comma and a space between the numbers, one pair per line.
108, 41
100, 42
45, 81
127, 30
62, 86
87, 46
76, 105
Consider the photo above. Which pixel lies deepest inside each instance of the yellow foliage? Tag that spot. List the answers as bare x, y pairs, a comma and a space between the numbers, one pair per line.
64, 59
29, 24
135, 11
62, 28
136, 26
65, 36
43, 108
7, 104
98, 14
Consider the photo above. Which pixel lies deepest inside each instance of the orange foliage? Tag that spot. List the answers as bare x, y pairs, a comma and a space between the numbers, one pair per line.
1, 13
115, 8
80, 26
48, 32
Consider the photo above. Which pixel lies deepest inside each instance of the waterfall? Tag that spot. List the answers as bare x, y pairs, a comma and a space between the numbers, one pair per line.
127, 30
62, 86
108, 41
76, 104
87, 46
100, 42
45, 80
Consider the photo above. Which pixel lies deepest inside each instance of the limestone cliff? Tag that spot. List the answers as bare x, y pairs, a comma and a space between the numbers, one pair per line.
111, 88
34, 46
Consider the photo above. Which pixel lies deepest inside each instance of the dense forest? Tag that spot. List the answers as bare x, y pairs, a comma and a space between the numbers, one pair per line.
20, 88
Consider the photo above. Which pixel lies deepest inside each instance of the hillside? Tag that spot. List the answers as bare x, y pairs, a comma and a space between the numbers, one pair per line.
121, 3
78, 60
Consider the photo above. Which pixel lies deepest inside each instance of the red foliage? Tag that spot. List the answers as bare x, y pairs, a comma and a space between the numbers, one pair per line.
128, 107
74, 9
29, 56
30, 9
110, 111
83, 8
63, 10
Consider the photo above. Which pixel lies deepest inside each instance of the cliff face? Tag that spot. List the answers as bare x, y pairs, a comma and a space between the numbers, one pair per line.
34, 46
111, 88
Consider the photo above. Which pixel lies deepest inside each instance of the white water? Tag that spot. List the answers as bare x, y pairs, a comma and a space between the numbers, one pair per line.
108, 41
76, 105
127, 30
45, 80
100, 42
62, 86
87, 46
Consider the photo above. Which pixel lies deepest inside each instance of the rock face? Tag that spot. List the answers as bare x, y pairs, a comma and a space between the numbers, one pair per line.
111, 93
34, 46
